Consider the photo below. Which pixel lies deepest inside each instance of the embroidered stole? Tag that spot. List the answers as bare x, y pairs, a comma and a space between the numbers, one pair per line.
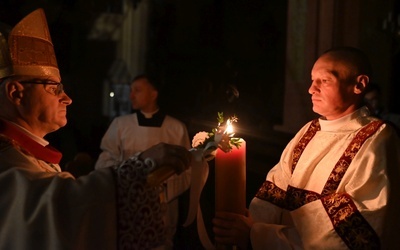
339, 206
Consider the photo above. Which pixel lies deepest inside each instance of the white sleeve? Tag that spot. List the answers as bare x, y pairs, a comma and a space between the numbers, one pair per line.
110, 146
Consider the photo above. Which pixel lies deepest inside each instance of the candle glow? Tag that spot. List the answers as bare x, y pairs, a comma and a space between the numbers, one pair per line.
229, 127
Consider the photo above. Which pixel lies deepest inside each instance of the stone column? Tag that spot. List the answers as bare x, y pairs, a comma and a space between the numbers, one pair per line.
133, 42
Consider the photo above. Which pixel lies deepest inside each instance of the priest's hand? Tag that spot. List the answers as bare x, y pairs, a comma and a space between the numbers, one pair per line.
232, 229
172, 156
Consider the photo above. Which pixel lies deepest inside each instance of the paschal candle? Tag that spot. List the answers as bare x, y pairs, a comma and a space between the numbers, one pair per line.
230, 180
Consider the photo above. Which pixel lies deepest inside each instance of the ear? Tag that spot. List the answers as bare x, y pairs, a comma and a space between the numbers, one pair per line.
155, 94
362, 82
14, 91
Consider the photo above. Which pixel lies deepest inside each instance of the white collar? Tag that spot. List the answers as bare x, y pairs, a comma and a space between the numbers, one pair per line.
149, 114
333, 125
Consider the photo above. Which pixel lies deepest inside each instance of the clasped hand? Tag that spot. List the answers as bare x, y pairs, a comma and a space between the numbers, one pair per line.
232, 229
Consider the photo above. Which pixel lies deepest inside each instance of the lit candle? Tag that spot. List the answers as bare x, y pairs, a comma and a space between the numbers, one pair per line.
230, 180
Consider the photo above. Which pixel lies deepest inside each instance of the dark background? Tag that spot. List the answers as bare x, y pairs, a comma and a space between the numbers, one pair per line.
202, 51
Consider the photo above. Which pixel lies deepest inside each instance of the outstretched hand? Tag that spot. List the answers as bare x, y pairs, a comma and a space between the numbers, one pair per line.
164, 154
232, 229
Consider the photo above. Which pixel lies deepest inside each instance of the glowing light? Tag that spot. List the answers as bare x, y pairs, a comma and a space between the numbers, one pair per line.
229, 127
111, 94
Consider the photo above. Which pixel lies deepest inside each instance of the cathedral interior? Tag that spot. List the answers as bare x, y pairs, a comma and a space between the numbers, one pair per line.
246, 58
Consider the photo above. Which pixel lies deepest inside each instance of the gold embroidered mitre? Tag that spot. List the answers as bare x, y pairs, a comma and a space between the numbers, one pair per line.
31, 48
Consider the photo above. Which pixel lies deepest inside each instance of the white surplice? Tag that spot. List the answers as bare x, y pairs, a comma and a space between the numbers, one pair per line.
362, 191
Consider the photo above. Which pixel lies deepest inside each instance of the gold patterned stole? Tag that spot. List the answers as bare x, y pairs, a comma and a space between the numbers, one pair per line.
340, 207
305, 139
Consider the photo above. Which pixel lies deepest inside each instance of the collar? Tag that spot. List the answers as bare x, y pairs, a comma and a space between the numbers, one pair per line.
149, 114
23, 139
155, 121
348, 122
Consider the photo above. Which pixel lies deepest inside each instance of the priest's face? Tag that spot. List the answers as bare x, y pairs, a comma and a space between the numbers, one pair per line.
143, 95
40, 104
334, 88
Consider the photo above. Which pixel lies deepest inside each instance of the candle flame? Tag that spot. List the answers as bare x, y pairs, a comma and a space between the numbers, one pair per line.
229, 127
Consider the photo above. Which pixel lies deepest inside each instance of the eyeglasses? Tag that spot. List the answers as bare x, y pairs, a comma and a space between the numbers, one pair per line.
54, 88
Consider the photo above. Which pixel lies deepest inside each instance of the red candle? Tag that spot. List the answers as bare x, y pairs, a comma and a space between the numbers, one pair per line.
230, 180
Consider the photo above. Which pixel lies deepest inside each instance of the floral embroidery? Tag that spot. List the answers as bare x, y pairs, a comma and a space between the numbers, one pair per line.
296, 197
140, 212
349, 223
272, 193
302, 144
291, 199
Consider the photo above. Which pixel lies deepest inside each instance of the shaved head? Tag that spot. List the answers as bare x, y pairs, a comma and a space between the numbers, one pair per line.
357, 61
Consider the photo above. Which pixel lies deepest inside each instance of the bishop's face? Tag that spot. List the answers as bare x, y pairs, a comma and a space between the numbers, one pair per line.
143, 95
41, 105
